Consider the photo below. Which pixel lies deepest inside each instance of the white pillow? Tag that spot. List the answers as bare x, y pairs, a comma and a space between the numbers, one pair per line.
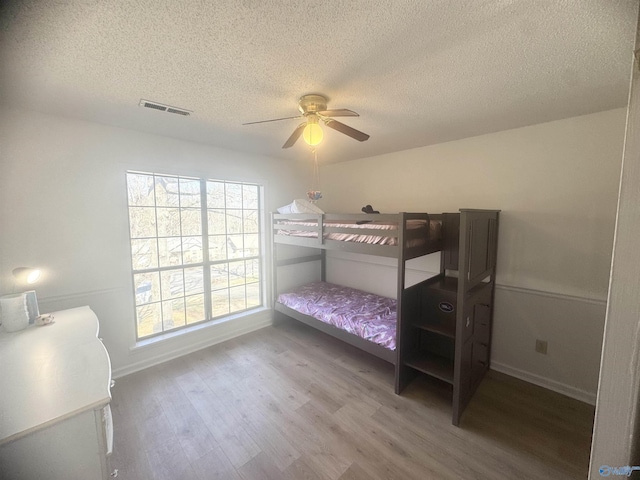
286, 209
304, 206
300, 206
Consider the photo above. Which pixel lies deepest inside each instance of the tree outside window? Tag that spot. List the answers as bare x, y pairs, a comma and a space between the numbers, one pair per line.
195, 250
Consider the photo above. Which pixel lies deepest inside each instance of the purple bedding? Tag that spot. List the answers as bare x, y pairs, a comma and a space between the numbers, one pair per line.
363, 314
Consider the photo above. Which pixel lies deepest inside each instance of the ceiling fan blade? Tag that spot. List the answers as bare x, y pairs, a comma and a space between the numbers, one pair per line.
294, 136
272, 120
347, 130
340, 112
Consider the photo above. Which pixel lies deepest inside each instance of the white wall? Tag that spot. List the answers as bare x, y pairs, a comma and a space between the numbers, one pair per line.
616, 432
557, 185
63, 207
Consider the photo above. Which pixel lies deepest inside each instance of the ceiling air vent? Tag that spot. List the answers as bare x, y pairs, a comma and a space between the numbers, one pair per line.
178, 111
164, 108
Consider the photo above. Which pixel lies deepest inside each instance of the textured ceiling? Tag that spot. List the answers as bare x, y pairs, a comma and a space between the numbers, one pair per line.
417, 72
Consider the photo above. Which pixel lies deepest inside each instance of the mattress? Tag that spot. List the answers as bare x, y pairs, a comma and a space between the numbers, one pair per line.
366, 315
382, 239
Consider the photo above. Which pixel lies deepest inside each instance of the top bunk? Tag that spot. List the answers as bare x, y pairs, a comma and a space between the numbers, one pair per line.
401, 235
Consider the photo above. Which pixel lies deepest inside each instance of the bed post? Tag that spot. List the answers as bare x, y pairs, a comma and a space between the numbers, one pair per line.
274, 269
401, 379
460, 375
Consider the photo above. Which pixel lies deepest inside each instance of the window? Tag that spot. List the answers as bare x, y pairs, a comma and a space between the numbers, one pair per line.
195, 249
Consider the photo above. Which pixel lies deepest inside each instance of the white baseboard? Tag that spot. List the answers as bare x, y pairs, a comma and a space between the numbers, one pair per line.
224, 335
547, 383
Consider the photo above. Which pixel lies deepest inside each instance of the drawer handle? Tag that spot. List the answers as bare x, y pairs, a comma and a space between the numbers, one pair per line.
468, 321
114, 474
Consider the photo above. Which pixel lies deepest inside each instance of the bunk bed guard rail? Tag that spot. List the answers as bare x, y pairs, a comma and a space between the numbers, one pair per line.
380, 234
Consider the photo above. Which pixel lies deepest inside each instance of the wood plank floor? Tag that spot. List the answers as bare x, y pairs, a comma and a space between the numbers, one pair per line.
288, 402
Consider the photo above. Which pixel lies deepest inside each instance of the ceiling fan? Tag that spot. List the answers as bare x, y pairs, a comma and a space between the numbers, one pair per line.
313, 109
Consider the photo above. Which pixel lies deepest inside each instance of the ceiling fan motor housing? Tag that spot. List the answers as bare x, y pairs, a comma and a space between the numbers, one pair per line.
312, 104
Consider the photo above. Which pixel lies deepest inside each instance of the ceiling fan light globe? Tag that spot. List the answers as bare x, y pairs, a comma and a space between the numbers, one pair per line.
312, 134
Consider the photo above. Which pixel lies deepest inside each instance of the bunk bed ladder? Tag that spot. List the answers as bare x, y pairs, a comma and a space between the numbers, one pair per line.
475, 298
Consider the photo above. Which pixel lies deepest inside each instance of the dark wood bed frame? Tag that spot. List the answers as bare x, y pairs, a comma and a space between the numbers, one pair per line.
454, 350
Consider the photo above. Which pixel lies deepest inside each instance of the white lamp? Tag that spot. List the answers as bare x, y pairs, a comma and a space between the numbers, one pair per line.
26, 275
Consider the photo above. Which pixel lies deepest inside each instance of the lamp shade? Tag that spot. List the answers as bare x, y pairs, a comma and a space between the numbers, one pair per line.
26, 275
13, 312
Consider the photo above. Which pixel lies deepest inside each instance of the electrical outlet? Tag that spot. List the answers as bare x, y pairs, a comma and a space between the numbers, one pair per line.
541, 346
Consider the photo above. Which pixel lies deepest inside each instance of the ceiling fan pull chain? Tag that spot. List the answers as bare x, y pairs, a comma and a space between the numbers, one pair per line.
315, 194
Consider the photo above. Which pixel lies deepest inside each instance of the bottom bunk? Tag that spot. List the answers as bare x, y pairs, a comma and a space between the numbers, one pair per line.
362, 319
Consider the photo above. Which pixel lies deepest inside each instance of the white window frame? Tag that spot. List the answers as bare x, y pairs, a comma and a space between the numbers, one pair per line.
207, 264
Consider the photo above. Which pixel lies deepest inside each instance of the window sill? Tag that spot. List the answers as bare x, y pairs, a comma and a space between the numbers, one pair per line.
159, 339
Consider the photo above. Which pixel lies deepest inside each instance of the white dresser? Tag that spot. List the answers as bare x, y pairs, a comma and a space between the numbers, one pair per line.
55, 420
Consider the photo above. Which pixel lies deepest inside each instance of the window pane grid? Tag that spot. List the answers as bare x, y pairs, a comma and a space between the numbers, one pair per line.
232, 251
189, 236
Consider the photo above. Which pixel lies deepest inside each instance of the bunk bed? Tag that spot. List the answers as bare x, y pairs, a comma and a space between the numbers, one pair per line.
403, 236
428, 327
